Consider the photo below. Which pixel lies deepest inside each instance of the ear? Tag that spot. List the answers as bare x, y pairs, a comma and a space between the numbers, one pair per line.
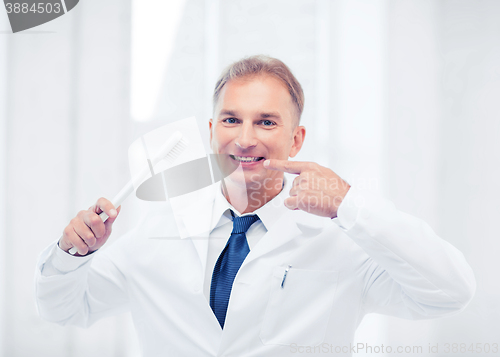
299, 134
210, 123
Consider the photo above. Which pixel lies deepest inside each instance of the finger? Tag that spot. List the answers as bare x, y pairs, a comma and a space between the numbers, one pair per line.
297, 185
292, 203
85, 233
292, 167
94, 223
72, 239
105, 205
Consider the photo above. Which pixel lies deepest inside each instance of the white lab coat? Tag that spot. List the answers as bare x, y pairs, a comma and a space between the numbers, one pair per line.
372, 258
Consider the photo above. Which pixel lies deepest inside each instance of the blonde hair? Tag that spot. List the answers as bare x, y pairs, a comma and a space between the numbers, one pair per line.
262, 65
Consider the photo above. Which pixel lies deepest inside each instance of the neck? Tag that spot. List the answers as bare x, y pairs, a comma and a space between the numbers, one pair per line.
250, 198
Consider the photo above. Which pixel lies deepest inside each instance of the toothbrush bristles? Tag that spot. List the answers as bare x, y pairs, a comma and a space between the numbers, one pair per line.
176, 151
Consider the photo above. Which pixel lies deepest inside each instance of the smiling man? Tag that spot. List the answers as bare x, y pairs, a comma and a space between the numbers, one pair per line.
255, 119
257, 108
290, 263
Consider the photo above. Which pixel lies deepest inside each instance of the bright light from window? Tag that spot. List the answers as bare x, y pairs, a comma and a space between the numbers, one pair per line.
154, 28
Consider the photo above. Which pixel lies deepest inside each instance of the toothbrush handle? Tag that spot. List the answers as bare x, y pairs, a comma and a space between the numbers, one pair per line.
121, 196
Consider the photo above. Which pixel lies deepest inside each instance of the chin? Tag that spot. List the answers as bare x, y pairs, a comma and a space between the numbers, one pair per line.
246, 178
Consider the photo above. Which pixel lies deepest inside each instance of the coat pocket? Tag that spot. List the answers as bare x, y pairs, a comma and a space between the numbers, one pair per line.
299, 312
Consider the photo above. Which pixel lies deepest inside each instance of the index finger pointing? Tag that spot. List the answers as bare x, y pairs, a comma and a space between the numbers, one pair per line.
292, 167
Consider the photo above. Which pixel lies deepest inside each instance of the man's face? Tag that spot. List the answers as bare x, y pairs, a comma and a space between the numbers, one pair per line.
254, 120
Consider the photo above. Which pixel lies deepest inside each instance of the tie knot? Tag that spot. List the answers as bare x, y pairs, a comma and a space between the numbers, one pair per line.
241, 224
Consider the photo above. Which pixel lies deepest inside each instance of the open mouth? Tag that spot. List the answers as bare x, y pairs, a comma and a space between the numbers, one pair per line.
246, 158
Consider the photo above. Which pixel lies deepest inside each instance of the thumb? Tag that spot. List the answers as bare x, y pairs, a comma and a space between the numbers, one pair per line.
109, 222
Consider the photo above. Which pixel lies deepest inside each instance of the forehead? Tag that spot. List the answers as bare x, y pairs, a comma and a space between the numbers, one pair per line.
255, 93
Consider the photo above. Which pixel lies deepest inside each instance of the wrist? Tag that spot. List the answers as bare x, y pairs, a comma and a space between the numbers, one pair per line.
337, 201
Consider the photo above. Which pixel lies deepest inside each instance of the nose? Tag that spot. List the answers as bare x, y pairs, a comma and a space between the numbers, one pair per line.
246, 138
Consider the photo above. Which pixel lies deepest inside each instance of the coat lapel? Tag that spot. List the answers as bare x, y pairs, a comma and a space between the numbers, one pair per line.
192, 219
201, 219
197, 223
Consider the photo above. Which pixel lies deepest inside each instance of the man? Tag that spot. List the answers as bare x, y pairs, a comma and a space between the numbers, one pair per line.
288, 264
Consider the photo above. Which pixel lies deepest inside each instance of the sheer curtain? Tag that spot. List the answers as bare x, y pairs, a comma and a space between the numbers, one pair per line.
401, 97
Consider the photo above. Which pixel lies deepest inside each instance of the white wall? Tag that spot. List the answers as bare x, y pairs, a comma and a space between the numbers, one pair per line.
4, 27
412, 133
65, 143
470, 156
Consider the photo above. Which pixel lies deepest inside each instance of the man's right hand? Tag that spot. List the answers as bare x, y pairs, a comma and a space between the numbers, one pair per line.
87, 232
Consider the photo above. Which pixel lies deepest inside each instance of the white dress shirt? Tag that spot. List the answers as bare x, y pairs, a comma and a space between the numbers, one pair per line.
222, 226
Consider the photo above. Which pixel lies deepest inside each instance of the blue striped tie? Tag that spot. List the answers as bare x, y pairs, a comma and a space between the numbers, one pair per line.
228, 264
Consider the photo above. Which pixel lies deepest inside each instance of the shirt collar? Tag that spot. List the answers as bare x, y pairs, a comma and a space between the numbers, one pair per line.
268, 214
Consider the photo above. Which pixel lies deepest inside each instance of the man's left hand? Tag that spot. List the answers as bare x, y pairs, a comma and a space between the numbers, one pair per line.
316, 189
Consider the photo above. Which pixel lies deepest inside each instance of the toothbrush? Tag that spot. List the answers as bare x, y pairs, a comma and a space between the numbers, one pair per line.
169, 152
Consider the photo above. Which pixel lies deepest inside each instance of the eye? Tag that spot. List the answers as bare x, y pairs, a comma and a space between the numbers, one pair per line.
267, 122
230, 120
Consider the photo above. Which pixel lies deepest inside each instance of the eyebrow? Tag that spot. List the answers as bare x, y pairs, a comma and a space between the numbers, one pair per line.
270, 115
264, 115
228, 112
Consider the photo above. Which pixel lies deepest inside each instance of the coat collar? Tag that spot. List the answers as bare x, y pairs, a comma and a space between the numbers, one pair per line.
198, 213
213, 210
269, 214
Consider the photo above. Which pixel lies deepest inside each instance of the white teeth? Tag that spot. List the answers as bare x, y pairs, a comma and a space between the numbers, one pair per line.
245, 158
